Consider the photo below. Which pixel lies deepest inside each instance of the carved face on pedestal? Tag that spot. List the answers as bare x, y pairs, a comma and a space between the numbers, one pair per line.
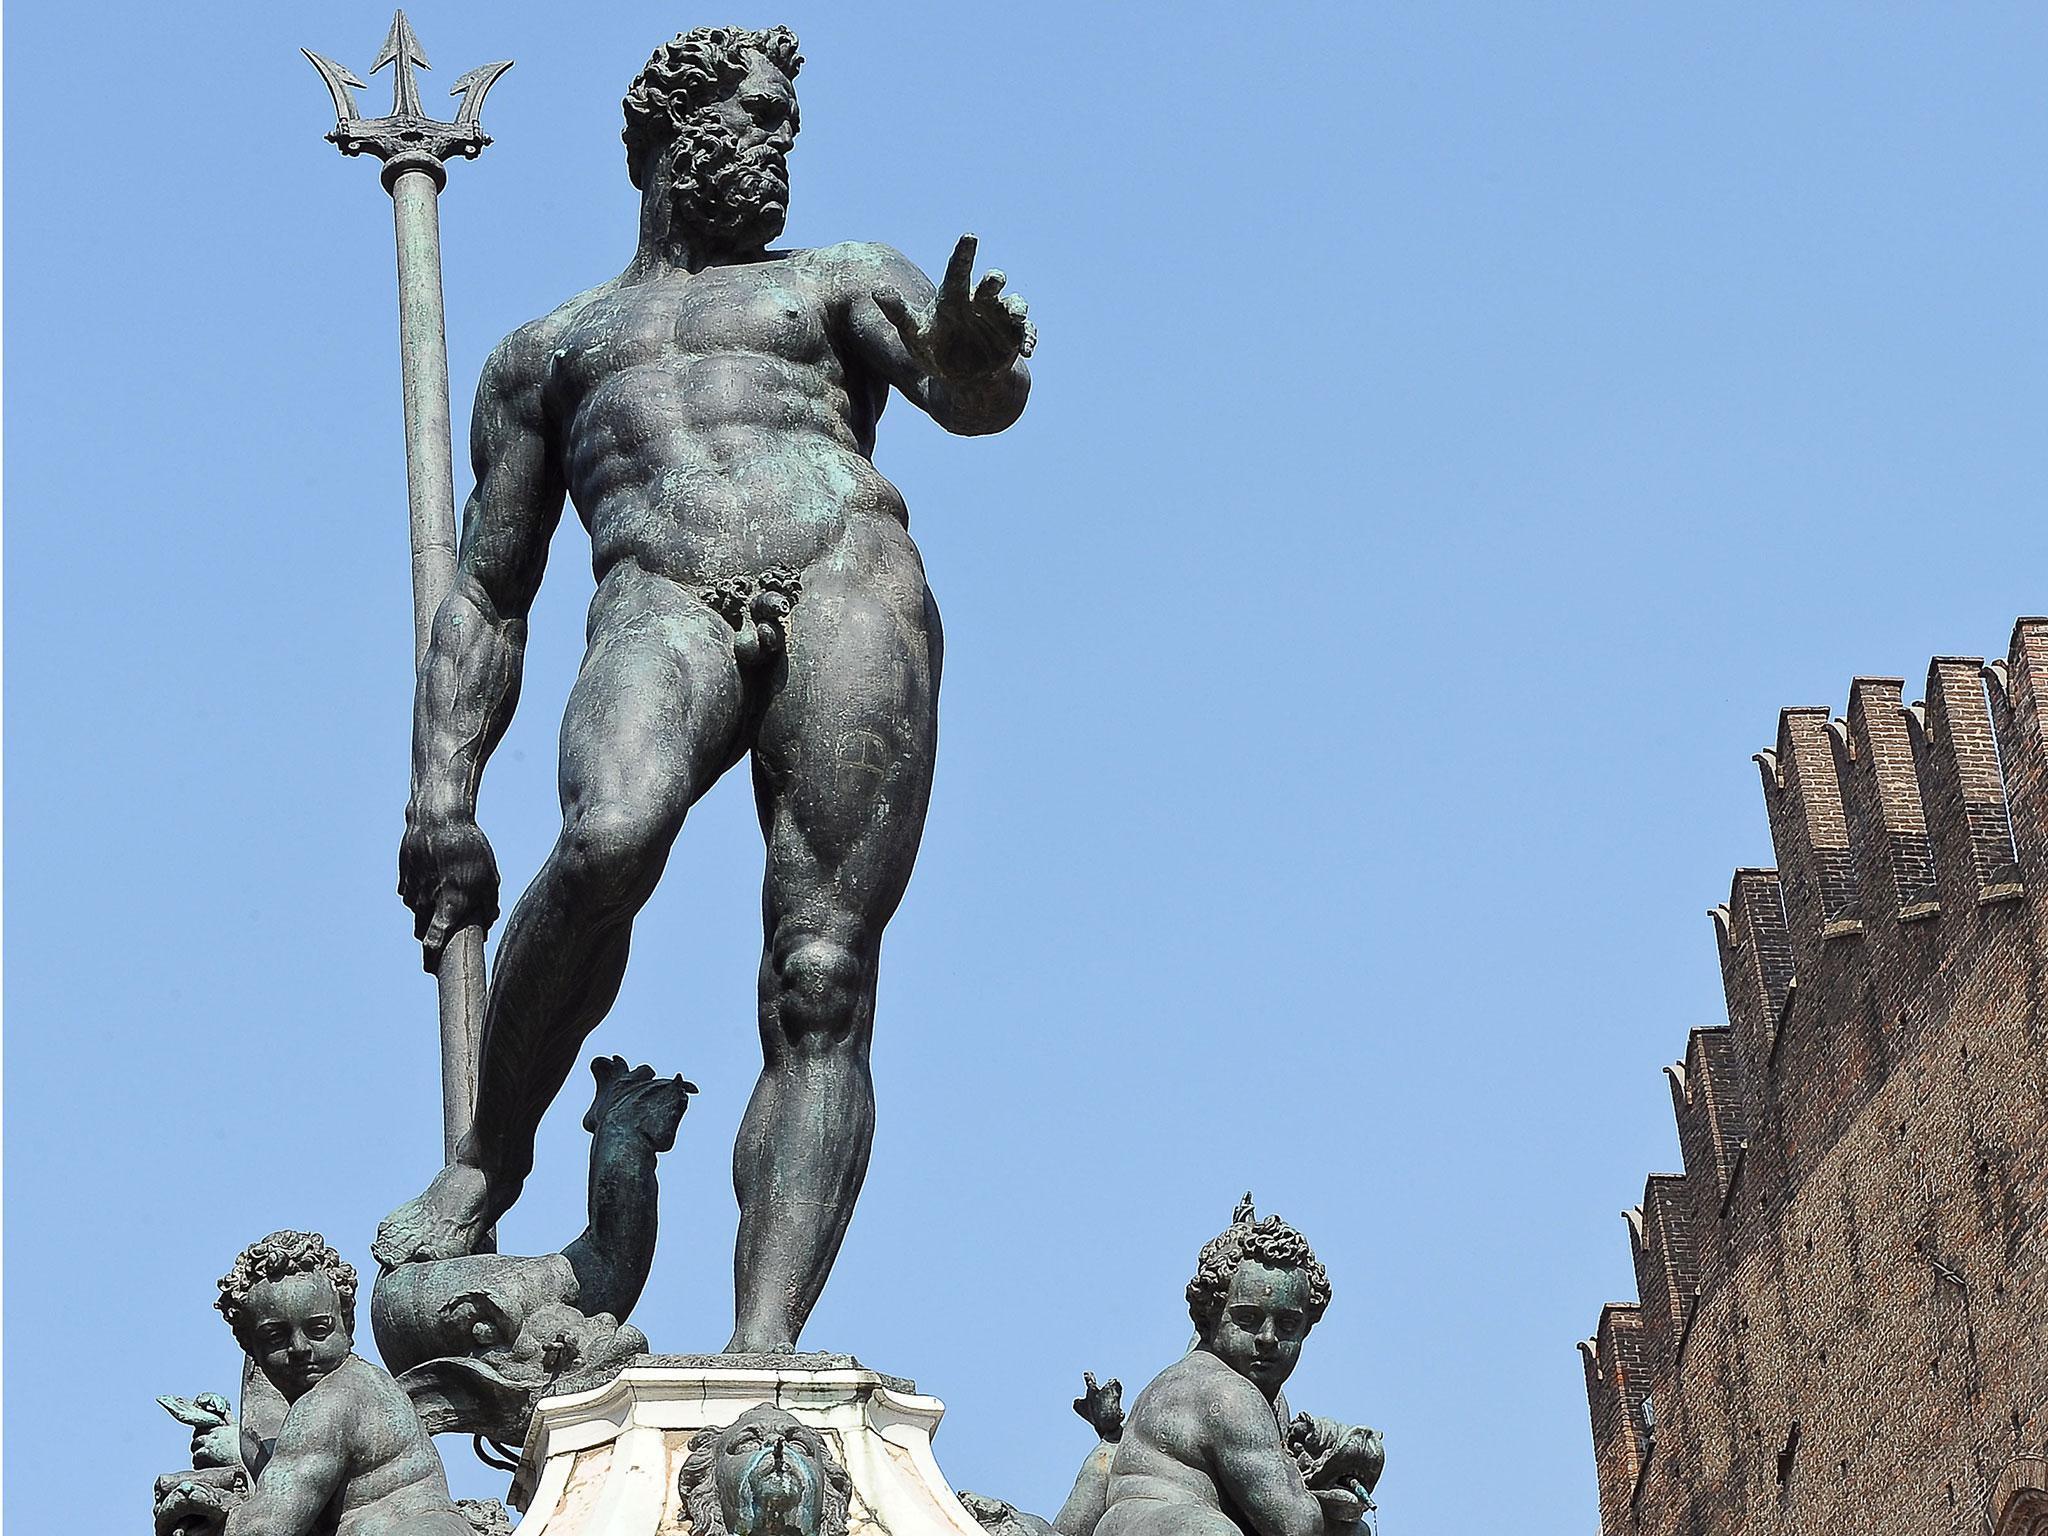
764, 1474
296, 1330
1260, 1326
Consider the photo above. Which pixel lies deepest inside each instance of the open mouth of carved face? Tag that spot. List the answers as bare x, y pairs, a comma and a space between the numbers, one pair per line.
776, 1491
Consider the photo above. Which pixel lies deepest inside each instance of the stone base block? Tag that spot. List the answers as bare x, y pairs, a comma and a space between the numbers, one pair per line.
606, 1459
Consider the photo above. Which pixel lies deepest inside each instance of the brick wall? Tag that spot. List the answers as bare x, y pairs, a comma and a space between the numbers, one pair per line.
1841, 1321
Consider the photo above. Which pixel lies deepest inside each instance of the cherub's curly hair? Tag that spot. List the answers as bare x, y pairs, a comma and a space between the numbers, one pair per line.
1270, 1242
688, 73
279, 1255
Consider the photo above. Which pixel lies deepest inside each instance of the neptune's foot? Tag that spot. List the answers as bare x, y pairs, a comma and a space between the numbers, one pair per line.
445, 1222
753, 1339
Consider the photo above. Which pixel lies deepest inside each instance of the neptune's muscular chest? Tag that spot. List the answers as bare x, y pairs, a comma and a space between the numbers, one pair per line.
728, 346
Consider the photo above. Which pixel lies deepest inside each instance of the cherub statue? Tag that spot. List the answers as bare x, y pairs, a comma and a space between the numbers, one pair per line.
478, 1339
350, 1452
764, 1474
1209, 1449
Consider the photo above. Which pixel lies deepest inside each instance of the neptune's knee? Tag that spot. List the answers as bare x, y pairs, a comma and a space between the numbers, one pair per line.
610, 858
818, 988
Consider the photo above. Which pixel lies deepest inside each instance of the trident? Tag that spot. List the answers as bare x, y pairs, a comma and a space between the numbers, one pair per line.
414, 148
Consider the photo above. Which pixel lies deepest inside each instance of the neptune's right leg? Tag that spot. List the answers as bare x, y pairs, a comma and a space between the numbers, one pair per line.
653, 720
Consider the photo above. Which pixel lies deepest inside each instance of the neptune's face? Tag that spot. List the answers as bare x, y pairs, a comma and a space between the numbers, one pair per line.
768, 1483
728, 168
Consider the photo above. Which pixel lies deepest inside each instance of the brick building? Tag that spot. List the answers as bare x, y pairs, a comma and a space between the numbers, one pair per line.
1841, 1321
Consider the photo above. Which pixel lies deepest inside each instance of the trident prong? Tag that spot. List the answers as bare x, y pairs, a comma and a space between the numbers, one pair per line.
407, 139
471, 88
338, 78
402, 47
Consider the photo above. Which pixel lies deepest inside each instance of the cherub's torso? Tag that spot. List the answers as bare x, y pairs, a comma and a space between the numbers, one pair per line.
1165, 1452
393, 1484
712, 424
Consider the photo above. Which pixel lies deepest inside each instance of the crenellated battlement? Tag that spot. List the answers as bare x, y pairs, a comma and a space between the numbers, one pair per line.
1898, 933
1756, 966
1616, 1383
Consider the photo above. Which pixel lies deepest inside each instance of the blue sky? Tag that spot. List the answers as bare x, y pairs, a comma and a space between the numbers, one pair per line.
1457, 431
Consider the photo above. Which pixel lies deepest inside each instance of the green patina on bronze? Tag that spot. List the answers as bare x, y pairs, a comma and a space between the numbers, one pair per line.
711, 415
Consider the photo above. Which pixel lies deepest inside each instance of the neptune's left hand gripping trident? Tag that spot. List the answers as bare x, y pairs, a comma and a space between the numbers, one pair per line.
415, 149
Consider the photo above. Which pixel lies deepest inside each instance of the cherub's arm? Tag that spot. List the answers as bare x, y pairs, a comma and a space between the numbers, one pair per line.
303, 1473
1102, 1405
956, 353
1254, 1469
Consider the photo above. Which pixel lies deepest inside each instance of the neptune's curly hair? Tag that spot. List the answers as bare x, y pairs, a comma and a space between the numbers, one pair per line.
688, 73
277, 1256
1270, 1242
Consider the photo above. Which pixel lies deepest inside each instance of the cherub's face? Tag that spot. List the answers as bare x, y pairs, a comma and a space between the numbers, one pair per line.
1259, 1329
294, 1330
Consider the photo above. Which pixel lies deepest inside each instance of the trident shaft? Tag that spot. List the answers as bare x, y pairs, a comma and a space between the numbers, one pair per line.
415, 149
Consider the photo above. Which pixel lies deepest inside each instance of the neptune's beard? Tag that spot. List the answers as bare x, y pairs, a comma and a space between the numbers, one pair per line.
733, 195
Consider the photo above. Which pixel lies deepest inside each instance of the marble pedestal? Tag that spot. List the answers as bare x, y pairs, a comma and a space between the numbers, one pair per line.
604, 1460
